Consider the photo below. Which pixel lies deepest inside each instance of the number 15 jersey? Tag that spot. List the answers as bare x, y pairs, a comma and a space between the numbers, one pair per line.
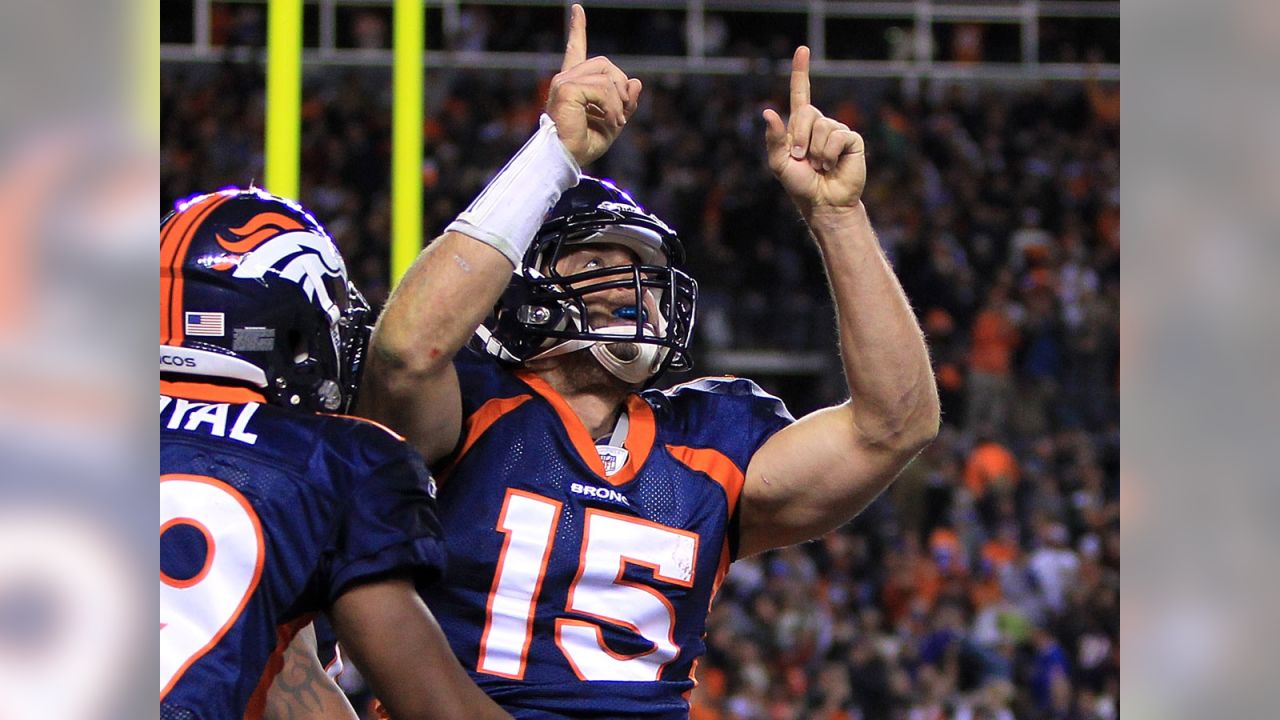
580, 590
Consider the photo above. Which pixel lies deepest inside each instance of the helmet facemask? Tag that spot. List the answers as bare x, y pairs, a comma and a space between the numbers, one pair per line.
354, 332
544, 313
644, 344
326, 369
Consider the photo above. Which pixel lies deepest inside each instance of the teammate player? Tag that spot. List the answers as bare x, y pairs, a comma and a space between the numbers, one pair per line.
271, 508
590, 521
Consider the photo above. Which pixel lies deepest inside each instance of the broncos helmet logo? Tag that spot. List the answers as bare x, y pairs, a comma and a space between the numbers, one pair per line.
275, 243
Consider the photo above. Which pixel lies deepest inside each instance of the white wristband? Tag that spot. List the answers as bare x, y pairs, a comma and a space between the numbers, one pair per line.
511, 208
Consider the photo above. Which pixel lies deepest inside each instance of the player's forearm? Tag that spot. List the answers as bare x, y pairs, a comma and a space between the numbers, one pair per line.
456, 280
302, 689
436, 307
894, 396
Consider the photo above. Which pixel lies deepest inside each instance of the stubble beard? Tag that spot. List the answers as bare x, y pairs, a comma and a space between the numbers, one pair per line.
581, 373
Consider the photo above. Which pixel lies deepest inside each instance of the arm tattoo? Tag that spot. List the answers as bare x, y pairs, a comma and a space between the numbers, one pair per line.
303, 691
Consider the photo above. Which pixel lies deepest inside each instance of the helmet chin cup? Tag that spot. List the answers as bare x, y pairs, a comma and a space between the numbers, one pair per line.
624, 351
630, 362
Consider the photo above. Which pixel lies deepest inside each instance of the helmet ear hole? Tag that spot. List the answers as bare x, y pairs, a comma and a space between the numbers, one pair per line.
296, 343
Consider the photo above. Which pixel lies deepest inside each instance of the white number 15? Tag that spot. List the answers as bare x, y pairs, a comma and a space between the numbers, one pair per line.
610, 542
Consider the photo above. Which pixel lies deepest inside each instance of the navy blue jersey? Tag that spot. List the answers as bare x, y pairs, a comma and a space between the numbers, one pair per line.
267, 516
580, 590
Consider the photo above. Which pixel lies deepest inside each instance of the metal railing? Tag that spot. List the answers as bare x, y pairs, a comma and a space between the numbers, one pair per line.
920, 16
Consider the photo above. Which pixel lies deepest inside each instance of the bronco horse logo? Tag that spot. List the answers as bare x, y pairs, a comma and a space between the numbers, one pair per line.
276, 243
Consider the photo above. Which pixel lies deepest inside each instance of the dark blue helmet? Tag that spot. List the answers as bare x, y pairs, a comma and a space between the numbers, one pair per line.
253, 290
543, 313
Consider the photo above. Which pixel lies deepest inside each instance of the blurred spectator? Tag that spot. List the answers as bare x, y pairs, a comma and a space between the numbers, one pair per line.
993, 338
1054, 565
370, 31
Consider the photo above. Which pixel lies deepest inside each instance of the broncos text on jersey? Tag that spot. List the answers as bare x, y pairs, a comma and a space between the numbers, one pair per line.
578, 592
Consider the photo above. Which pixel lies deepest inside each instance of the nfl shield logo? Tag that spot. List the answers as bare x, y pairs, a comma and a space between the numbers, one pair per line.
613, 458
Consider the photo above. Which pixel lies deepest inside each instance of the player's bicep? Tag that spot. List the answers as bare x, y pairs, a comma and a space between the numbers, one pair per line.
400, 649
808, 479
302, 689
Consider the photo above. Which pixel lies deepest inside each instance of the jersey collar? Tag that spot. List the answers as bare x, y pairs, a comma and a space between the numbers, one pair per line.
640, 434
210, 392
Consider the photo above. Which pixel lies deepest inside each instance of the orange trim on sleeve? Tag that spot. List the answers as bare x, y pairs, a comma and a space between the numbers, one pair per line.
210, 392
642, 430
716, 465
374, 423
477, 424
722, 569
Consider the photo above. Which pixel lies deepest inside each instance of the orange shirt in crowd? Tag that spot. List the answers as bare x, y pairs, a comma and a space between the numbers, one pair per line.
985, 591
945, 543
698, 711
990, 462
993, 340
1104, 101
999, 553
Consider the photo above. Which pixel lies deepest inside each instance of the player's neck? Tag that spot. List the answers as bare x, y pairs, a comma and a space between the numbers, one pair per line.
596, 396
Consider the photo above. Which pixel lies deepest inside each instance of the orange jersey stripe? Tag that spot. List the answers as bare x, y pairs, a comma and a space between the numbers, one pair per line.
374, 423
479, 422
717, 466
573, 426
641, 431
210, 392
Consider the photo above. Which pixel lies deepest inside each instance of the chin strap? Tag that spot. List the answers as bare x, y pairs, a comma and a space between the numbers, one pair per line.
630, 362
641, 364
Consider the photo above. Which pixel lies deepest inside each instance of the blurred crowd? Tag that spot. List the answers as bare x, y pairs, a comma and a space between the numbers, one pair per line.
985, 582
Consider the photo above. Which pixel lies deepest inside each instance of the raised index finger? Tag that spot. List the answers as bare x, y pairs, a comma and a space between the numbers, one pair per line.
799, 79
575, 51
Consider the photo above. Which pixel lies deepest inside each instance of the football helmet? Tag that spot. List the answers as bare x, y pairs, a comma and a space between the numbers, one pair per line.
543, 313
253, 290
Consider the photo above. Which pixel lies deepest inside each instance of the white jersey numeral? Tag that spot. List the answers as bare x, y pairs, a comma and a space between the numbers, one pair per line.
529, 522
196, 612
611, 541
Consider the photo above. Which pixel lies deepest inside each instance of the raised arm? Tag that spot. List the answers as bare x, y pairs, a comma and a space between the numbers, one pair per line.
410, 383
817, 474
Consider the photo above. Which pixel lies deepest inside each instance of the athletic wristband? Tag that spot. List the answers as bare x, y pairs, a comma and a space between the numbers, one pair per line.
508, 213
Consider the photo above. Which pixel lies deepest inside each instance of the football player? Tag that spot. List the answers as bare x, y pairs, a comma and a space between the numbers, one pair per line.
273, 507
590, 519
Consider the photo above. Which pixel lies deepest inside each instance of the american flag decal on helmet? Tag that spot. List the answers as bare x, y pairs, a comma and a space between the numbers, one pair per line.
205, 324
